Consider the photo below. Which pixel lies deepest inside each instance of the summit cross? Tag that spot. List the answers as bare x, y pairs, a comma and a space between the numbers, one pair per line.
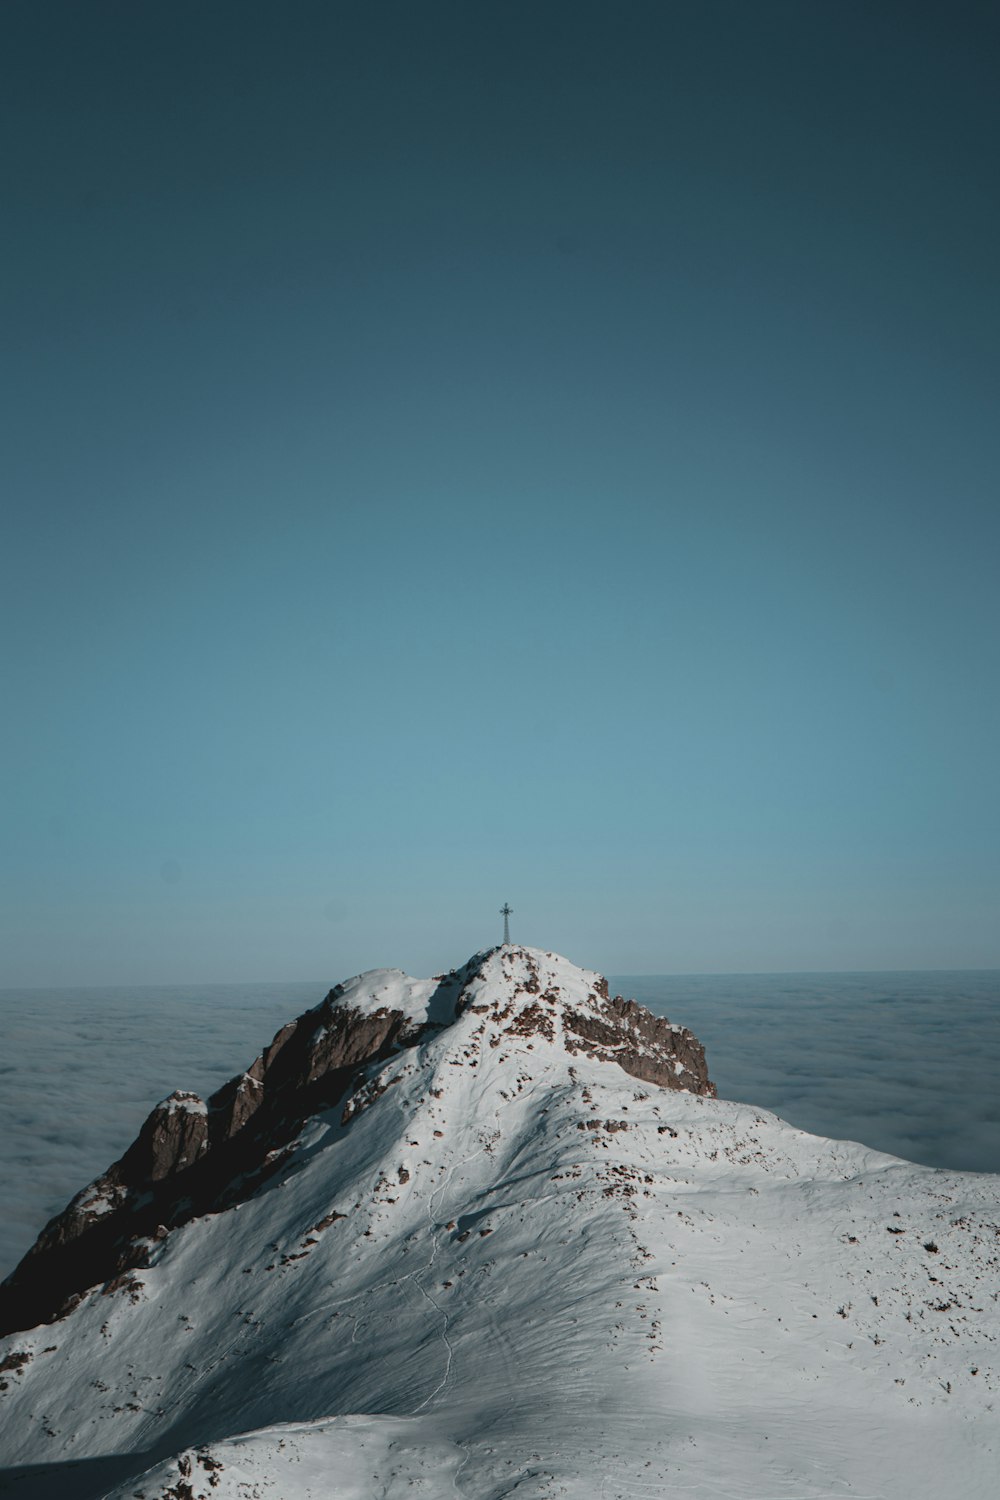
505, 912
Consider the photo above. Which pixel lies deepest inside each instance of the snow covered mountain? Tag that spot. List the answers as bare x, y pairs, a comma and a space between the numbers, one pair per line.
492, 1235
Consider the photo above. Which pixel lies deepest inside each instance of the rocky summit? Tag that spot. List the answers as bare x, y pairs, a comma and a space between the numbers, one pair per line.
491, 1234
194, 1156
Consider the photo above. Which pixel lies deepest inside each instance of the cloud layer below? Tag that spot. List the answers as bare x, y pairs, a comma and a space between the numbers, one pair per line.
906, 1063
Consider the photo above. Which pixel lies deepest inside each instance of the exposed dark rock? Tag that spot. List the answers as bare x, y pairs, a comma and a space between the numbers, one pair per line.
174, 1136
646, 1046
327, 1220
191, 1158
17, 1360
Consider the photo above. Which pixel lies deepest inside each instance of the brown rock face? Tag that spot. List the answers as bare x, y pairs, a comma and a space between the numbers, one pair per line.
193, 1158
607, 1028
174, 1136
644, 1045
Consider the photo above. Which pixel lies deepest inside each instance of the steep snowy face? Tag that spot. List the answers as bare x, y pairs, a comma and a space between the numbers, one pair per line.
505, 1262
193, 1157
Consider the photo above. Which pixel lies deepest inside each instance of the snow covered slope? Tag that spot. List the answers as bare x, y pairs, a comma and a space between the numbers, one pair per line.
507, 1267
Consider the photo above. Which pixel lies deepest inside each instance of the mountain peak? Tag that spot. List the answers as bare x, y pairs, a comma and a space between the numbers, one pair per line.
195, 1156
490, 1233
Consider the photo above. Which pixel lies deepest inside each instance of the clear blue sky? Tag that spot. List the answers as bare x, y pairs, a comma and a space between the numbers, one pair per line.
457, 453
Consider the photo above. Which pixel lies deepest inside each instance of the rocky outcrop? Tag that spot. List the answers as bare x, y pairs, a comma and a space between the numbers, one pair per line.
193, 1157
646, 1046
174, 1137
598, 1025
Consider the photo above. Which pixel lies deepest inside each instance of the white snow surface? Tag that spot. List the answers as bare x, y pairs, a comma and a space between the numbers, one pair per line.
390, 989
702, 1302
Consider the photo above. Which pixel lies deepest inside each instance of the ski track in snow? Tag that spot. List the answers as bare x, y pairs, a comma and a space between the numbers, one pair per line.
435, 1242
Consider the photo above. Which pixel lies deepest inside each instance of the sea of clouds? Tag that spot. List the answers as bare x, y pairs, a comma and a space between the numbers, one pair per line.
81, 1069
906, 1063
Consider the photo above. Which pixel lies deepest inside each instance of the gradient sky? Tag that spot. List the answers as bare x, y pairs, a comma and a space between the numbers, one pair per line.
531, 451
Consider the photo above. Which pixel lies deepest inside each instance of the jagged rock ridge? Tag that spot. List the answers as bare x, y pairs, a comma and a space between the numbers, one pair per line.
193, 1157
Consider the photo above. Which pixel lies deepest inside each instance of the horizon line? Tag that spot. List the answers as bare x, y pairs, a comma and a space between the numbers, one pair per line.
151, 984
